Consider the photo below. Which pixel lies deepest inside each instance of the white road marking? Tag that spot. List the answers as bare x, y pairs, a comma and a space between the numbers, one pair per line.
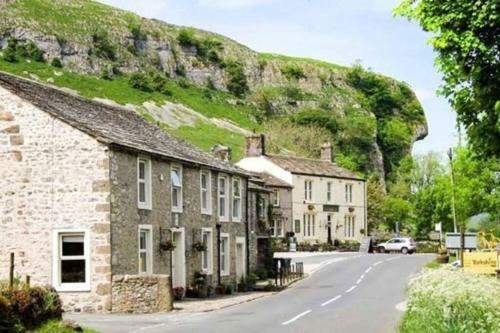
296, 317
331, 300
359, 281
362, 276
350, 289
368, 269
152, 326
377, 263
391, 259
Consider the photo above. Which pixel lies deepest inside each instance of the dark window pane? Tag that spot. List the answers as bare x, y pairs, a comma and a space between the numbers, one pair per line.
72, 246
142, 170
72, 271
142, 192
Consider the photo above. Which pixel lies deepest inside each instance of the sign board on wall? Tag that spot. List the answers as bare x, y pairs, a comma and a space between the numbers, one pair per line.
453, 241
481, 262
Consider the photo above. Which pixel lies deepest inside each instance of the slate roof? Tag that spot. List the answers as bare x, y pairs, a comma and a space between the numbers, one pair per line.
112, 125
312, 167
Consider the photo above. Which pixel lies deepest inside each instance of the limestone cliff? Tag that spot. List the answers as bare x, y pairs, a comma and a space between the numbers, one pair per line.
372, 120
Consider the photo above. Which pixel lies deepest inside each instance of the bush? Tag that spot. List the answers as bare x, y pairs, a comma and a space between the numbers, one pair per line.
29, 50
451, 301
236, 79
9, 55
292, 71
56, 62
427, 247
186, 37
141, 82
25, 307
102, 47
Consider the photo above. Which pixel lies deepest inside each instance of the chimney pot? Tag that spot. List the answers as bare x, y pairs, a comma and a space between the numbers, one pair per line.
255, 145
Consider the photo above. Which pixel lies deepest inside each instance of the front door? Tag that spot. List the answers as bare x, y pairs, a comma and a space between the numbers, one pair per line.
240, 258
178, 259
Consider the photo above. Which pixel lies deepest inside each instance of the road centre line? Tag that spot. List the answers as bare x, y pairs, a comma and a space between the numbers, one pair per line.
377, 263
350, 289
359, 281
152, 326
331, 300
368, 269
296, 317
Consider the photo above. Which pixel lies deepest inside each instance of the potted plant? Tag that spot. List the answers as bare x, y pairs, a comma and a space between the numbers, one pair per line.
167, 245
200, 247
178, 293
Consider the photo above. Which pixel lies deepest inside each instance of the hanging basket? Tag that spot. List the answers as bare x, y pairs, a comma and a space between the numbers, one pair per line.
199, 247
167, 246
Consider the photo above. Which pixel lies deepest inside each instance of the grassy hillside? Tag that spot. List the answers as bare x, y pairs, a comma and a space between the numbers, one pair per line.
103, 52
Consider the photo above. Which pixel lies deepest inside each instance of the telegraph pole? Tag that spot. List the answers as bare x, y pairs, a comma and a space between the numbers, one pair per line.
454, 211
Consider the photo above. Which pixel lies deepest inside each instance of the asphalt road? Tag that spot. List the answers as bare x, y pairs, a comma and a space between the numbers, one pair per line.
348, 293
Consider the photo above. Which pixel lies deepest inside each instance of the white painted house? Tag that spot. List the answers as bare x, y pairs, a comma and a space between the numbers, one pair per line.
328, 201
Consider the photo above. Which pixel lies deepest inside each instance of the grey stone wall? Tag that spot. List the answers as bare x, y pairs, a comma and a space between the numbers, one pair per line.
257, 227
52, 176
284, 210
126, 217
141, 293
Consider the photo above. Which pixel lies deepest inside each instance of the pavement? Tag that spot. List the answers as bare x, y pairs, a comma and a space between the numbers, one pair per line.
345, 292
217, 303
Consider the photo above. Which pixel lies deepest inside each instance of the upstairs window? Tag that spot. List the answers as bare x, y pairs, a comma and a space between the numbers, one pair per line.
236, 199
206, 192
144, 183
329, 192
308, 190
348, 193
223, 191
176, 189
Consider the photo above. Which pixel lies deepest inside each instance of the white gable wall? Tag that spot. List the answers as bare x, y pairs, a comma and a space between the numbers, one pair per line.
262, 164
52, 176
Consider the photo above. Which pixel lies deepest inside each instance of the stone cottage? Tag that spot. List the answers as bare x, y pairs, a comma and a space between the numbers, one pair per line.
93, 197
327, 201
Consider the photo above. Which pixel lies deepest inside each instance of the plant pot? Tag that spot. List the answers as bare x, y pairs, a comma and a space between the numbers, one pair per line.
443, 259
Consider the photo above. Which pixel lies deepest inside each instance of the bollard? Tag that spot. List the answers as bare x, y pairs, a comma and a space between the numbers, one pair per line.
11, 270
28, 278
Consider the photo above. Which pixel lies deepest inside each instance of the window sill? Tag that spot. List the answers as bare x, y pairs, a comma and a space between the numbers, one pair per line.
176, 210
223, 219
224, 274
77, 287
206, 212
144, 207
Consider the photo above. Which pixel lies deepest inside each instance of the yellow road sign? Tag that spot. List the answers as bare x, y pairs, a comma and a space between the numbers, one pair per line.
481, 262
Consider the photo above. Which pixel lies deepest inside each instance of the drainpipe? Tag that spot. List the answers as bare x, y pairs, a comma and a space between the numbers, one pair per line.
217, 226
247, 233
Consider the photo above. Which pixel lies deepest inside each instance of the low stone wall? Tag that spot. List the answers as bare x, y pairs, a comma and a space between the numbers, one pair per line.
141, 293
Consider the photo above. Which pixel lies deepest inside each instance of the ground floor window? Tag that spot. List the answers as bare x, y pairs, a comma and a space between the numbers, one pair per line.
309, 225
145, 249
277, 227
71, 260
349, 225
206, 256
224, 254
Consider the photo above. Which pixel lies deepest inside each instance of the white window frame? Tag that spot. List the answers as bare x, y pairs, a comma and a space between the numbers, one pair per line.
56, 260
236, 197
308, 190
349, 224
147, 204
348, 193
276, 198
149, 248
227, 255
207, 192
226, 197
329, 186
176, 209
210, 251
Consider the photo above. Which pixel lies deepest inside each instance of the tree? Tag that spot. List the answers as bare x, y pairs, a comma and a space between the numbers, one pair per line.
466, 38
376, 200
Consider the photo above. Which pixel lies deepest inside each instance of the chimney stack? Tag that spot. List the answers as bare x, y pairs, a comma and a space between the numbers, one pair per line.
222, 152
327, 152
255, 145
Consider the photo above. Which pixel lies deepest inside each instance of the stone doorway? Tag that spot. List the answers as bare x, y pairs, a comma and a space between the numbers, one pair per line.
179, 258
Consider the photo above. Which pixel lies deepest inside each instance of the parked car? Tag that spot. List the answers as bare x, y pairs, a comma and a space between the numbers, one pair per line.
401, 244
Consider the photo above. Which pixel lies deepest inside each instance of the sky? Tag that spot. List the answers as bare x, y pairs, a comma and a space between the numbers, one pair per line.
337, 31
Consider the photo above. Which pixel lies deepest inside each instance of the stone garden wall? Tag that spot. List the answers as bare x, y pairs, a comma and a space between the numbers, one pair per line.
141, 293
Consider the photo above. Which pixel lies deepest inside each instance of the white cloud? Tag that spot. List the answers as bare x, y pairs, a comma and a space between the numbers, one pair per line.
232, 3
